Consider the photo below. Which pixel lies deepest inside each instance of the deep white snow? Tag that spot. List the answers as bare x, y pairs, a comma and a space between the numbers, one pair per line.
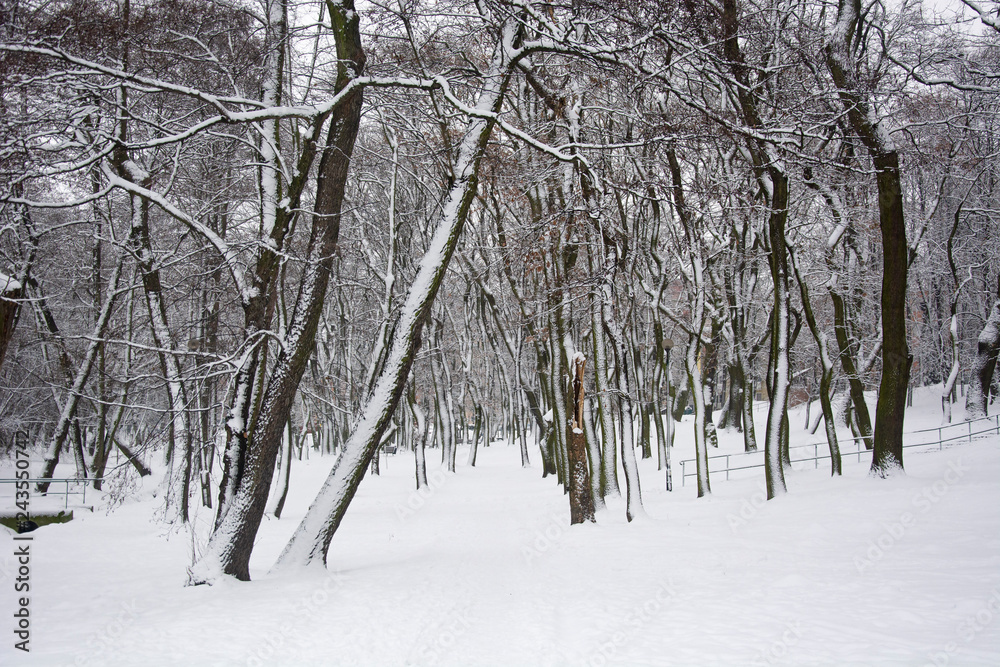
482, 568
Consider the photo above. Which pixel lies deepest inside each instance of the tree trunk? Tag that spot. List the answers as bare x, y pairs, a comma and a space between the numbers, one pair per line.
593, 454
228, 551
700, 436
856, 388
73, 396
887, 457
286, 477
311, 540
581, 500
777, 413
985, 363
11, 292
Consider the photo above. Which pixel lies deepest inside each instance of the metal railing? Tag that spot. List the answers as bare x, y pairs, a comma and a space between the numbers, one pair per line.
81, 482
968, 433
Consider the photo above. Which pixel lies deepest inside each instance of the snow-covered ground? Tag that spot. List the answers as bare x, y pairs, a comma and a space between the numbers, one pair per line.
484, 569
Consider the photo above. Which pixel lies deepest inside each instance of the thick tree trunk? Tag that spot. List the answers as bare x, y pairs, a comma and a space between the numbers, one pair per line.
581, 500
896, 360
984, 365
230, 546
887, 457
11, 292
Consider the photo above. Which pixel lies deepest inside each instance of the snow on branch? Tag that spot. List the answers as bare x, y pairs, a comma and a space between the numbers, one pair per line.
225, 250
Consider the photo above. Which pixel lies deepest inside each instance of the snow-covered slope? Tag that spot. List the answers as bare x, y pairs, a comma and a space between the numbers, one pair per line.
484, 569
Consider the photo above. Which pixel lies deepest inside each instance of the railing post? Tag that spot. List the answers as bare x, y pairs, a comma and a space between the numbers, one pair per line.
683, 472
970, 430
816, 454
727, 467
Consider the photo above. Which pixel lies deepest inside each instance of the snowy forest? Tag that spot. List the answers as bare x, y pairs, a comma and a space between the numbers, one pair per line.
242, 236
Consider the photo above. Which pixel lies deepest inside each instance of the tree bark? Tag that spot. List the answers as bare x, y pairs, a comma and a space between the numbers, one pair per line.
987, 347
230, 546
311, 540
887, 457
581, 501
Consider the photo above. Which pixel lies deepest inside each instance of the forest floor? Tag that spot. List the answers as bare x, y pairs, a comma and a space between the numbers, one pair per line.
484, 569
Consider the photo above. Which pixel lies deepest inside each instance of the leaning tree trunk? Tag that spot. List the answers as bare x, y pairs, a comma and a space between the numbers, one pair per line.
311, 540
826, 379
228, 551
75, 394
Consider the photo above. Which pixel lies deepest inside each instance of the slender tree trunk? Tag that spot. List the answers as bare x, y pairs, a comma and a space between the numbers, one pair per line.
593, 454
700, 436
286, 477
777, 413
847, 360
73, 396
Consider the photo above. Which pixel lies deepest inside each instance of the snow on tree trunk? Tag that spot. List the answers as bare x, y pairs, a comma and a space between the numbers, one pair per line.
609, 458
826, 378
581, 500
949, 384
777, 413
229, 549
887, 457
984, 365
10, 293
286, 462
311, 540
593, 453
698, 399
73, 396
